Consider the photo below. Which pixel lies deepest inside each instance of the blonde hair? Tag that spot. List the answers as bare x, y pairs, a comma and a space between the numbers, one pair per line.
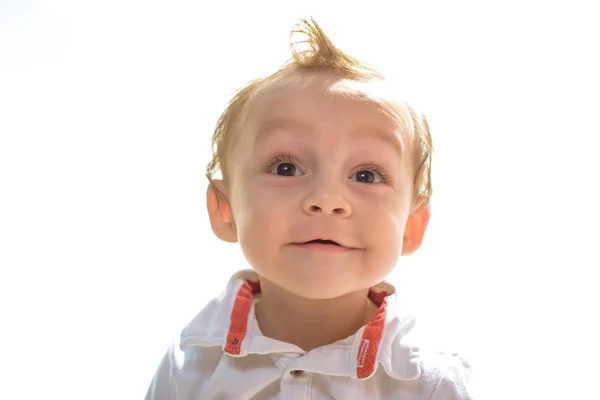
312, 50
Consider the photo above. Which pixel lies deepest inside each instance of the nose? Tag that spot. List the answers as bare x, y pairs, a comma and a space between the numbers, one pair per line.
327, 200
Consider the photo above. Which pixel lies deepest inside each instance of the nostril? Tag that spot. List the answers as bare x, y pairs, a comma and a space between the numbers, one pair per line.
339, 210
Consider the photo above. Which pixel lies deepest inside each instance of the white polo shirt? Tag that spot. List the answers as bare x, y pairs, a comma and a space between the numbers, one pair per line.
222, 354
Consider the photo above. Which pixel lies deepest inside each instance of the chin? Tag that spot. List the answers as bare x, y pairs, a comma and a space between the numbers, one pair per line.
318, 279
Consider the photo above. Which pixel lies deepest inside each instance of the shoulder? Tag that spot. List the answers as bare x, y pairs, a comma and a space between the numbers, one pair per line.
182, 370
449, 373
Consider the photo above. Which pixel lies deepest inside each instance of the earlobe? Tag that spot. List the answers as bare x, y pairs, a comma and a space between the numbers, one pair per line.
219, 212
415, 230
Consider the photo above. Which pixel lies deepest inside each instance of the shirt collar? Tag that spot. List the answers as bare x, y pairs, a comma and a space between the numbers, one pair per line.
228, 321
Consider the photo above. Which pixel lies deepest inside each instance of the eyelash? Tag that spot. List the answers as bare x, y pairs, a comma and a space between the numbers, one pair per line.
279, 159
374, 168
287, 158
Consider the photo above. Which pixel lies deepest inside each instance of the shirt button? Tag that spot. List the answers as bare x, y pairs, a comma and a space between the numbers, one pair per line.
296, 373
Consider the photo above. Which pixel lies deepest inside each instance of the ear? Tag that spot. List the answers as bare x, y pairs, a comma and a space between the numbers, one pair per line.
219, 212
415, 229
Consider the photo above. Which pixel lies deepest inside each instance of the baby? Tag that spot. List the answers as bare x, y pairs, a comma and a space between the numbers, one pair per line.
325, 184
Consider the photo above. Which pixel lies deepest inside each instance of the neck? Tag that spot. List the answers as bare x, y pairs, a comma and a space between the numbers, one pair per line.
311, 323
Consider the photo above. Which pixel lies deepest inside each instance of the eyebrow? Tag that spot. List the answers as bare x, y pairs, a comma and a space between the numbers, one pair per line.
389, 137
370, 131
284, 124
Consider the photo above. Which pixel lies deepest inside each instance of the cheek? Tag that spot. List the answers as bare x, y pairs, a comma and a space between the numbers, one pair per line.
388, 232
261, 222
386, 223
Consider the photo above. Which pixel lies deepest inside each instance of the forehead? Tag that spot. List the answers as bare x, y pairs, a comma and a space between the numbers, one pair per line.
311, 97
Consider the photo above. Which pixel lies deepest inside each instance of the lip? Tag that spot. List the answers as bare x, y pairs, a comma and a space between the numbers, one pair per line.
322, 247
313, 246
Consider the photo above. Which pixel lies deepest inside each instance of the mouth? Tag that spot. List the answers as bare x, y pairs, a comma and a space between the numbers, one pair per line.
322, 241
323, 246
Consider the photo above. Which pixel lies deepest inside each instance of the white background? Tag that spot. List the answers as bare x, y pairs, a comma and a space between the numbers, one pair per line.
106, 113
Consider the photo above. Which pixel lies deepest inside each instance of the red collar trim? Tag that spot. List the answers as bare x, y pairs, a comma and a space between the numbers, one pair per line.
239, 316
369, 344
371, 337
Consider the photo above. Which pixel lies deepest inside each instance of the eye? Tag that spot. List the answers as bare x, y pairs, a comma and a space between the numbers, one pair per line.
370, 174
285, 169
366, 177
283, 166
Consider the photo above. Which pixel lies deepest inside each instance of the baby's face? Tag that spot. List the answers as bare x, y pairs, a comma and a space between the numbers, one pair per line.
321, 161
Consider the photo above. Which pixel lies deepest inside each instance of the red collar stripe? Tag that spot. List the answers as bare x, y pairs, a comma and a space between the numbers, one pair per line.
367, 351
239, 316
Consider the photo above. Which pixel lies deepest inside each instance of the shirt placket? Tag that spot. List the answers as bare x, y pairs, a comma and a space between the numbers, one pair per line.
295, 384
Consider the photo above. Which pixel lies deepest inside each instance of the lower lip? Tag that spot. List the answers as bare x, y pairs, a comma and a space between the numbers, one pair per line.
323, 248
